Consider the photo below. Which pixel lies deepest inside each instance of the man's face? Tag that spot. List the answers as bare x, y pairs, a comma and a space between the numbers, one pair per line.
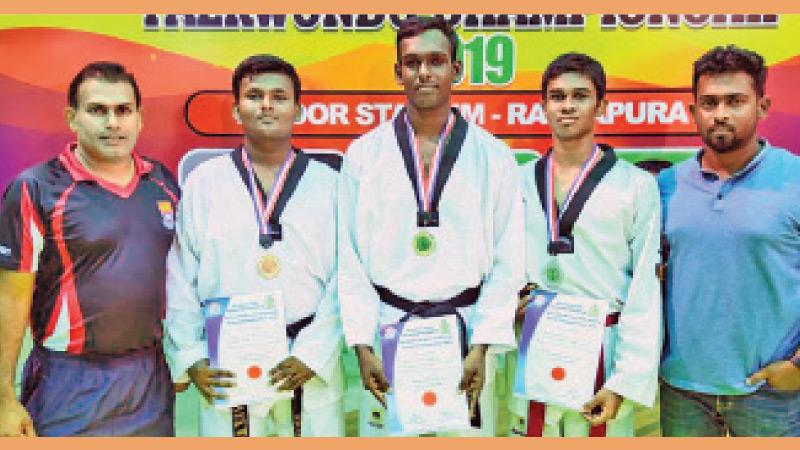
426, 70
106, 121
266, 108
571, 106
727, 110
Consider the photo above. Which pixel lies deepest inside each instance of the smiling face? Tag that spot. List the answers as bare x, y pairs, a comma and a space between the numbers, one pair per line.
106, 120
266, 108
426, 70
727, 110
571, 106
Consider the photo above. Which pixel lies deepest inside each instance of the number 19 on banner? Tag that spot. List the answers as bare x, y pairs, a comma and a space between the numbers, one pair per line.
488, 59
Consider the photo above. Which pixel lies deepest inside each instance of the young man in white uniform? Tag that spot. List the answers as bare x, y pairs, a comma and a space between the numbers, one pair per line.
235, 237
603, 244
429, 213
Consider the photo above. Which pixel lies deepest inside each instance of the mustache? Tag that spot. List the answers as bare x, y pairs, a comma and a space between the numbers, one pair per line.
721, 126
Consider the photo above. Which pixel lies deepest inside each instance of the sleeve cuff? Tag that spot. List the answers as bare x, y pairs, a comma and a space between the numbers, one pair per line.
499, 341
322, 367
645, 395
360, 337
12, 266
183, 378
180, 361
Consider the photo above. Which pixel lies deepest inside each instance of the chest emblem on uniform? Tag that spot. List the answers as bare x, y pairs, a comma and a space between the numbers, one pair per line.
167, 214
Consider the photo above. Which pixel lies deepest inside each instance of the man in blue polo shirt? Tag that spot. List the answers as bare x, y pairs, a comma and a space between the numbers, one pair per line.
732, 219
83, 245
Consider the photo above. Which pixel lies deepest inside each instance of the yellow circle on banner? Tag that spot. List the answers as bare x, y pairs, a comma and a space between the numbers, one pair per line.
268, 266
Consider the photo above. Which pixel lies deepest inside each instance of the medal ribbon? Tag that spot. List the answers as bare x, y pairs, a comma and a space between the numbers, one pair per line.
552, 213
264, 212
425, 184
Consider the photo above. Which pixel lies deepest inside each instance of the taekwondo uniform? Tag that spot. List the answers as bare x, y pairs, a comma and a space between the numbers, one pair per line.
216, 254
616, 243
478, 242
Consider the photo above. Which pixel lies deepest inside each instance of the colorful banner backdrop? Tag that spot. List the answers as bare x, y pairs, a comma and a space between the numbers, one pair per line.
183, 64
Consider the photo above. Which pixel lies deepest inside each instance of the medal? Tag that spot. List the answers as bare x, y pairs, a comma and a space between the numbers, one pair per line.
424, 185
561, 221
424, 243
268, 266
562, 242
268, 208
552, 273
428, 186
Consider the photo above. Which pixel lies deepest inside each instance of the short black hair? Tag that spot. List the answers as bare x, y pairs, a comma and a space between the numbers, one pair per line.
256, 64
576, 63
416, 25
110, 71
731, 59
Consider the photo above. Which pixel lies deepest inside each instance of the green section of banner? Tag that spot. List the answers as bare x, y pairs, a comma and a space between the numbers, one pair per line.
632, 156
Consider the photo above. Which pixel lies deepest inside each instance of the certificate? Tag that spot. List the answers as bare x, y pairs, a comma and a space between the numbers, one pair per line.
422, 362
559, 349
247, 335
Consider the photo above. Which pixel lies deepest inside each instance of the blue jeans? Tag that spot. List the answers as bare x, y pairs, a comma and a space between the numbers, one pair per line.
766, 412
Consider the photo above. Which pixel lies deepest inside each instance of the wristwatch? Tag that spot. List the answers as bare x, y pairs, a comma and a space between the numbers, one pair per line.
795, 360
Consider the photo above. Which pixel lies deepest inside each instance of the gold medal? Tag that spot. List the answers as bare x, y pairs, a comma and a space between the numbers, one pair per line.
268, 266
424, 244
552, 273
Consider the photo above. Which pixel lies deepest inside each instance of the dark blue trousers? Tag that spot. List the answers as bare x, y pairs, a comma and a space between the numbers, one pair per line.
80, 395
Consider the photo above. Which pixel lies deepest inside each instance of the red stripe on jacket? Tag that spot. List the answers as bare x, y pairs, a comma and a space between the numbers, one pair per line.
29, 218
67, 287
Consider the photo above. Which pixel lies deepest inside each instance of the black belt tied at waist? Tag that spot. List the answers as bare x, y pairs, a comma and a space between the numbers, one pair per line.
427, 308
240, 421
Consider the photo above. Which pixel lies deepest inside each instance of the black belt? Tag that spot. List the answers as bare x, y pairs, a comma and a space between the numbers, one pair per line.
294, 328
240, 421
427, 308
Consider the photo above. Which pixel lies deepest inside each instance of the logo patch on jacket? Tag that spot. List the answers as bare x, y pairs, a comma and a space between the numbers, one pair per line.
167, 214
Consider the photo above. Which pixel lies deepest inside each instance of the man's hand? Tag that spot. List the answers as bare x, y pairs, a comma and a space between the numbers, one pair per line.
206, 379
15, 420
372, 373
781, 375
474, 375
292, 372
602, 407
